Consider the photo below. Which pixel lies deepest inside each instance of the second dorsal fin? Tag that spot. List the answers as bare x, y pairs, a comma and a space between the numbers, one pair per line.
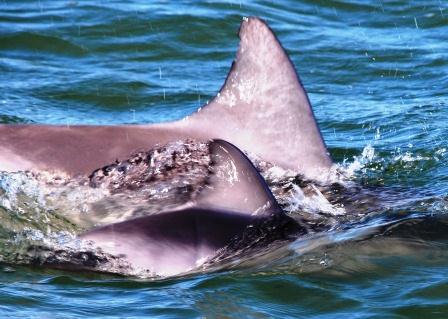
263, 108
235, 184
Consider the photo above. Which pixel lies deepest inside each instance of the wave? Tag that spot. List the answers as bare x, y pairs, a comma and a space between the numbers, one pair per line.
39, 43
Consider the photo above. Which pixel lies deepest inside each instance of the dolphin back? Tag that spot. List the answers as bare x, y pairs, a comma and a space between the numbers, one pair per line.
173, 242
262, 108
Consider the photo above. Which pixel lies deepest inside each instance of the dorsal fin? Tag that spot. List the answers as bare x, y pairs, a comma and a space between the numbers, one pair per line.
173, 242
263, 108
234, 183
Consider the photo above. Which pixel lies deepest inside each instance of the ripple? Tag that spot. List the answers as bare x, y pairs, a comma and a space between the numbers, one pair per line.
33, 42
11, 119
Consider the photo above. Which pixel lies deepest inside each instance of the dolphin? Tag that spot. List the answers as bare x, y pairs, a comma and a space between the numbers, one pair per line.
262, 108
174, 242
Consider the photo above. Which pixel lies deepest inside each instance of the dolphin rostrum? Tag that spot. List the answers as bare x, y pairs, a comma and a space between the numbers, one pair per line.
262, 108
174, 242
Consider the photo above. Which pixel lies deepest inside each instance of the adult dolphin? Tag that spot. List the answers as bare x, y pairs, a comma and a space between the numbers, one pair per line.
262, 108
173, 242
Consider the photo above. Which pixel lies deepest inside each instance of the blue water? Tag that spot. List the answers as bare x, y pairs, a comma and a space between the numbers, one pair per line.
377, 76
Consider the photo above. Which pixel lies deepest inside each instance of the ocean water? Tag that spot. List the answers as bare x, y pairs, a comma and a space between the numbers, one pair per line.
377, 76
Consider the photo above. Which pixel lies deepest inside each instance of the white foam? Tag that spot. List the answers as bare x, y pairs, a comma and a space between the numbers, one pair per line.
314, 203
359, 162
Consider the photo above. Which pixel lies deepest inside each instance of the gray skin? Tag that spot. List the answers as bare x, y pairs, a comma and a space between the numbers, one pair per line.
175, 242
262, 108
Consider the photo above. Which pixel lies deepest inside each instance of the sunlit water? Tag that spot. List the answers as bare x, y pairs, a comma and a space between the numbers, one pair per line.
376, 73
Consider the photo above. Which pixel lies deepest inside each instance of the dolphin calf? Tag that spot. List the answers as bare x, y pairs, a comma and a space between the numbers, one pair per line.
173, 242
262, 108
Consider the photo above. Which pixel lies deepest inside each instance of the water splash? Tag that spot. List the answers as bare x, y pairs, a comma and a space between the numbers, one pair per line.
315, 202
359, 162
